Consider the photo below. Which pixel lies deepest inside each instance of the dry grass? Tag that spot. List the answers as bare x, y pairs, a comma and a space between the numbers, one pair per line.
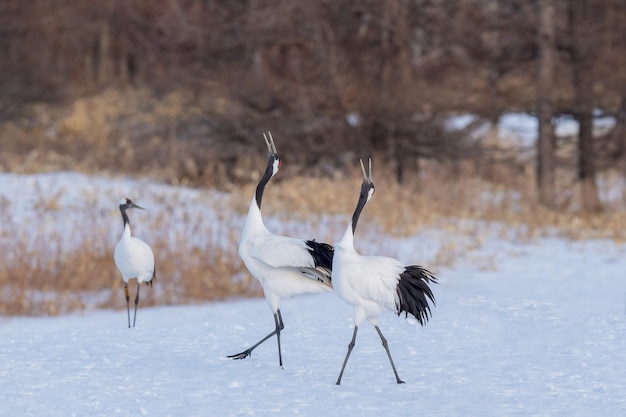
47, 275
109, 132
58, 283
44, 274
51, 270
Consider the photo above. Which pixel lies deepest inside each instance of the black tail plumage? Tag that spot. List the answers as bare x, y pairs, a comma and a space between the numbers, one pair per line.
413, 293
322, 253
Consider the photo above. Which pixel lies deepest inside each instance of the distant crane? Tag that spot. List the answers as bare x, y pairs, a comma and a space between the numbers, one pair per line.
284, 266
375, 284
133, 257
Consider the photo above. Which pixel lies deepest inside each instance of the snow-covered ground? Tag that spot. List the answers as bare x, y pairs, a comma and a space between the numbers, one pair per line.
540, 332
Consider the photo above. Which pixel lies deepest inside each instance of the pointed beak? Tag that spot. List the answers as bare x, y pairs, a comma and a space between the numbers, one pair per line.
267, 142
272, 142
367, 177
136, 206
271, 147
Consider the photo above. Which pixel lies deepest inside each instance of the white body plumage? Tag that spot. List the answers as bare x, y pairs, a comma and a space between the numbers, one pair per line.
134, 258
283, 265
366, 282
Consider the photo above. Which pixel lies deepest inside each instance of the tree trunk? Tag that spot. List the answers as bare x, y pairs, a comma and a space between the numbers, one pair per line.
586, 163
619, 136
545, 77
581, 66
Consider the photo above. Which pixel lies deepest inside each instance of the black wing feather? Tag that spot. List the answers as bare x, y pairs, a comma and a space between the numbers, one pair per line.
322, 253
414, 292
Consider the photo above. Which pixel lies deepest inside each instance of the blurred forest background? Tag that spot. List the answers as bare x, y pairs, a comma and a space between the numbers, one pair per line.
182, 89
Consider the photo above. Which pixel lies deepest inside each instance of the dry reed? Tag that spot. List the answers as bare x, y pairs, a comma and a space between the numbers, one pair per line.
45, 273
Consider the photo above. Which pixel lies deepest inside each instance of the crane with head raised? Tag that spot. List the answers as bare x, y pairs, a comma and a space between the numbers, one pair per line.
284, 266
377, 284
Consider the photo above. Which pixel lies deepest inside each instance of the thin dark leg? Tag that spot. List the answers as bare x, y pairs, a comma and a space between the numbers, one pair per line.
278, 320
398, 380
127, 302
136, 302
345, 361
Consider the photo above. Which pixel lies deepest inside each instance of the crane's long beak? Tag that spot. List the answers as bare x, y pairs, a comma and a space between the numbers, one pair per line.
365, 176
136, 206
272, 142
271, 147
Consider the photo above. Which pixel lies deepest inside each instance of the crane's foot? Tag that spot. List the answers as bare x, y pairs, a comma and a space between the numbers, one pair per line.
241, 355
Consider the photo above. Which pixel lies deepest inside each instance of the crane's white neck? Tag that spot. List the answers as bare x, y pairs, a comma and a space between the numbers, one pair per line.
347, 240
254, 222
126, 233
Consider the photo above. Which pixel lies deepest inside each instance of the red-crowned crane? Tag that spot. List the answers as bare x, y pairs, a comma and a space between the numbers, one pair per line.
284, 266
133, 257
376, 284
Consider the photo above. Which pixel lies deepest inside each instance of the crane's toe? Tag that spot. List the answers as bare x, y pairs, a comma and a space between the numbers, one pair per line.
241, 355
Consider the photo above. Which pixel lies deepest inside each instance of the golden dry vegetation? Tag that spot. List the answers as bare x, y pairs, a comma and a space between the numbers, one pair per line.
47, 275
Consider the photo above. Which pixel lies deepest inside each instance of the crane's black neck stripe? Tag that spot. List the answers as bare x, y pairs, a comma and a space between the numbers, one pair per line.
365, 189
124, 216
260, 188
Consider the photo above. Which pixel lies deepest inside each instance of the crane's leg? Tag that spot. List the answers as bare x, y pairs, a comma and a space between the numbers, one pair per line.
398, 380
136, 302
278, 320
127, 302
345, 361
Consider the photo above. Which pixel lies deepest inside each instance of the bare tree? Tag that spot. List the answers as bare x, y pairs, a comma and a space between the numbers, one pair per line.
545, 80
304, 69
581, 64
